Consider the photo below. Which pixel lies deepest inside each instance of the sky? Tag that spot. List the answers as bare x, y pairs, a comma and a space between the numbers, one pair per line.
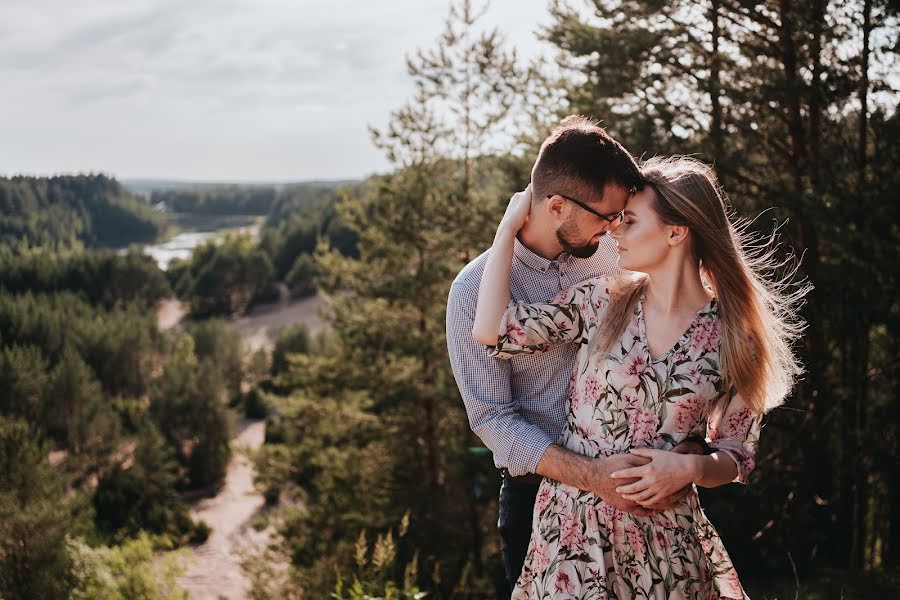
215, 90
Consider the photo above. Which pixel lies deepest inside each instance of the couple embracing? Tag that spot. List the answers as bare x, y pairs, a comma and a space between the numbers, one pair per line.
616, 347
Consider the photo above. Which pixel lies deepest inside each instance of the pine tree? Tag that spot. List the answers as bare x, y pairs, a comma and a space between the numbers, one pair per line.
34, 518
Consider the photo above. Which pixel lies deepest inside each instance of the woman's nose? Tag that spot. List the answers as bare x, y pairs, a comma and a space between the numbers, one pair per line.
613, 229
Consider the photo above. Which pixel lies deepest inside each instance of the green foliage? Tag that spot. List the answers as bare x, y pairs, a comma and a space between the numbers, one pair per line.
188, 402
220, 347
102, 277
373, 576
294, 229
126, 572
120, 345
23, 382
34, 518
223, 277
67, 211
75, 411
142, 496
292, 339
301, 278
224, 200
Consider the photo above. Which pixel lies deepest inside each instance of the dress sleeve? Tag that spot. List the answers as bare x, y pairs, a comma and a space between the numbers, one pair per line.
534, 328
735, 431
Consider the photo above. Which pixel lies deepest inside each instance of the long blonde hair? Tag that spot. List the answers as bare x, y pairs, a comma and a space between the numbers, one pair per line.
757, 307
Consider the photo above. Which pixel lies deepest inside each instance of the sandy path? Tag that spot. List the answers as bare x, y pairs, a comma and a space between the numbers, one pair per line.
261, 325
214, 570
169, 313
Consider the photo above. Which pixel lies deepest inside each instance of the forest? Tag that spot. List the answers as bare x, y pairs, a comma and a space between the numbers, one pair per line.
374, 483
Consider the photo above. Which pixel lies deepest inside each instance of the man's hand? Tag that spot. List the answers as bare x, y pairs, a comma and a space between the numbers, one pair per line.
600, 483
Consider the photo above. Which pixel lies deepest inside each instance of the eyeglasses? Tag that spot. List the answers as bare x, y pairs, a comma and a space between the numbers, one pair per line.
608, 218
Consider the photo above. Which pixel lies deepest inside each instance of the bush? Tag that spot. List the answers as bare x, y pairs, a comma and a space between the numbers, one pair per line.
301, 278
292, 339
255, 405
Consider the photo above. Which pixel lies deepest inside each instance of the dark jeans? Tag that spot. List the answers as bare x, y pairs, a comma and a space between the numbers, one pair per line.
516, 508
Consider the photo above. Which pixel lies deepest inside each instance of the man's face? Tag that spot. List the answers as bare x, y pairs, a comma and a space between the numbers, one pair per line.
580, 233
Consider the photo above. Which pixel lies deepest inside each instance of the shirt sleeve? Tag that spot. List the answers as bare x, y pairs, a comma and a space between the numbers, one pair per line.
534, 328
735, 431
484, 384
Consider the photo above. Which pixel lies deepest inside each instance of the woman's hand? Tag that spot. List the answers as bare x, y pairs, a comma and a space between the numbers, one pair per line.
665, 474
516, 213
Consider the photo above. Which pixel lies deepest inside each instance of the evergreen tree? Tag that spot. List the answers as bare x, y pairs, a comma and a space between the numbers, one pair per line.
34, 518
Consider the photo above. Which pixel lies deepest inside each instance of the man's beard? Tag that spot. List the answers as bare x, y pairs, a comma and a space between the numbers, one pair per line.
584, 250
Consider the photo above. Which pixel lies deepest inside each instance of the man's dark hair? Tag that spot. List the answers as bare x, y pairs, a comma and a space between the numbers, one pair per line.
578, 159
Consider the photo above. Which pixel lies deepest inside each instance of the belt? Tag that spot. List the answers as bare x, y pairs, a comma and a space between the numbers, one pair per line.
528, 479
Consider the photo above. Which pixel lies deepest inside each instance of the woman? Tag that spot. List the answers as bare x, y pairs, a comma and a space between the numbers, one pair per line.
691, 340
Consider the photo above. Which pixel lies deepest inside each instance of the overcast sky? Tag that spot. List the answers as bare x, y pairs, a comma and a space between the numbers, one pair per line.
234, 90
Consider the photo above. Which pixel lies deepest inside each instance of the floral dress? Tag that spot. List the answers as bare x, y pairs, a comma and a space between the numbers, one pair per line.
583, 548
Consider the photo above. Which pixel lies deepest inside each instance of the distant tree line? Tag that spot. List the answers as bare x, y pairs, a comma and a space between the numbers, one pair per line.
225, 200
90, 210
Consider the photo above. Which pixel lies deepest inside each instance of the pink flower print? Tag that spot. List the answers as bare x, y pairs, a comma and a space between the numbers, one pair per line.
543, 499
695, 375
515, 333
731, 585
571, 535
706, 335
563, 583
662, 540
575, 399
737, 424
592, 387
666, 523
609, 515
637, 368
679, 357
629, 400
540, 557
643, 424
636, 541
687, 413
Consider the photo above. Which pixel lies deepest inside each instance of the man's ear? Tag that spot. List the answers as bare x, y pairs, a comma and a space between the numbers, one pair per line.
556, 206
677, 234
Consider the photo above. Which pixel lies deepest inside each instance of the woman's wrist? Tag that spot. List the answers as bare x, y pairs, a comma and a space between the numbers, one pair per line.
694, 465
506, 231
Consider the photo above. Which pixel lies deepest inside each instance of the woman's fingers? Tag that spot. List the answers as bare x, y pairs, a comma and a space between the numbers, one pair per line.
633, 488
630, 472
641, 497
646, 452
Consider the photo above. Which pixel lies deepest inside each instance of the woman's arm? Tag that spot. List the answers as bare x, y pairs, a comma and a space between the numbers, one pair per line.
669, 472
493, 293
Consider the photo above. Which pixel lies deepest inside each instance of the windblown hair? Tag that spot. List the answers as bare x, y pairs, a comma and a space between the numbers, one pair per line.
578, 159
757, 307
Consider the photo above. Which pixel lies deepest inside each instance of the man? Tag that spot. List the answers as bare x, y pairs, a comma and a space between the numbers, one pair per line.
579, 184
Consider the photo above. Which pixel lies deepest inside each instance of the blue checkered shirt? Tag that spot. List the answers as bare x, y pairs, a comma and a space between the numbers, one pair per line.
517, 407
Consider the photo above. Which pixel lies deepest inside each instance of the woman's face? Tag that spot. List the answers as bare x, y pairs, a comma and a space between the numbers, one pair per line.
641, 237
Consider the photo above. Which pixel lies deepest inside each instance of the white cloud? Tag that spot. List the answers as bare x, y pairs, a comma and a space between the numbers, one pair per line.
213, 89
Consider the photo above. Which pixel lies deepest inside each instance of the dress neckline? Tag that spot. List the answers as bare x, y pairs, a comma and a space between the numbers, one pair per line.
642, 328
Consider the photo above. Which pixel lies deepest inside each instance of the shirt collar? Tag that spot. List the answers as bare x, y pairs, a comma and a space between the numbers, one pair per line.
536, 261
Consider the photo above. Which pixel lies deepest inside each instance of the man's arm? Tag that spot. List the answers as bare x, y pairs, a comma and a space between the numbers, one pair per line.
591, 474
484, 383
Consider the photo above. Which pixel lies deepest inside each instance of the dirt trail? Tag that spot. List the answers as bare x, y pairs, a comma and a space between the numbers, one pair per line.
214, 570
